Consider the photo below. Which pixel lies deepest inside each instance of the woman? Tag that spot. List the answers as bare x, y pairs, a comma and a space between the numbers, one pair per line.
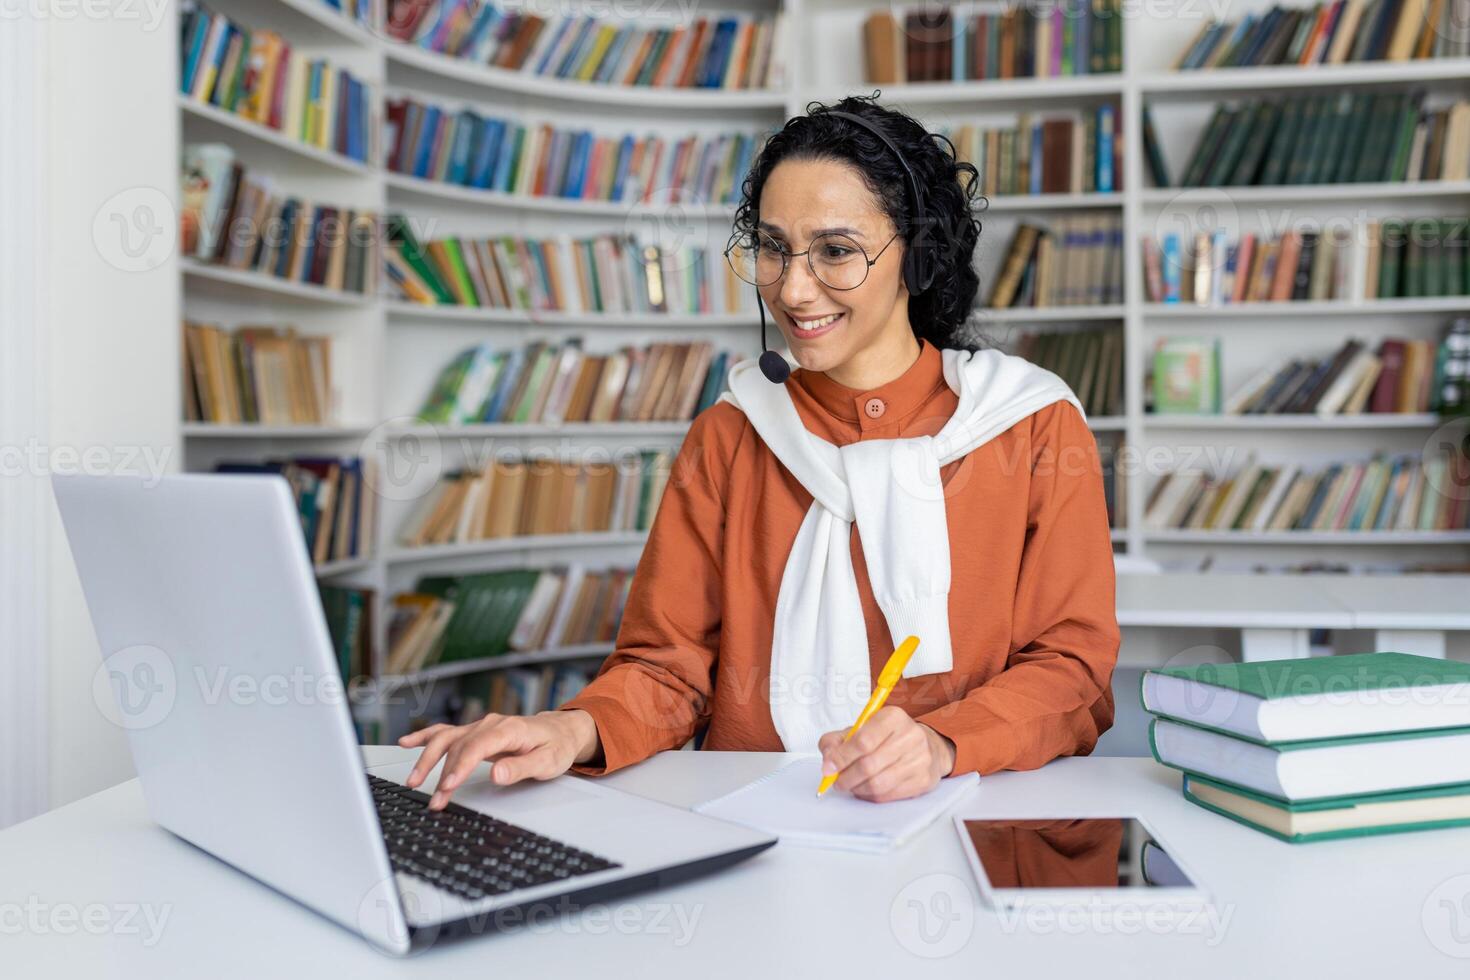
757, 614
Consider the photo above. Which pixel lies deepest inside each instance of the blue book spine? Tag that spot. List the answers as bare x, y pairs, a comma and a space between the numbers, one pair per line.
957, 47
426, 142
201, 24
485, 152
354, 118
288, 222
514, 135
1105, 124
459, 157
574, 53
577, 168
625, 158
561, 30
1171, 270
713, 68
476, 37
610, 59
495, 406
1036, 159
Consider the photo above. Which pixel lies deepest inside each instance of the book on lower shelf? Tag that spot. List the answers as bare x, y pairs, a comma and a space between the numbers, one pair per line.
334, 499
1070, 261
257, 374
1319, 748
349, 614
447, 619
1089, 361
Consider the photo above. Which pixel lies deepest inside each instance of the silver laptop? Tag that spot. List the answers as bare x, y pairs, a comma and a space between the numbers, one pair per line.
219, 665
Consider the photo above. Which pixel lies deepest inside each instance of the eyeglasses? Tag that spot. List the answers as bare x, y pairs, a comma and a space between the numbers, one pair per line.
836, 261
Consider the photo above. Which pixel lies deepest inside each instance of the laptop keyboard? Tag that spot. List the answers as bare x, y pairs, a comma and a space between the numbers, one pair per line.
468, 852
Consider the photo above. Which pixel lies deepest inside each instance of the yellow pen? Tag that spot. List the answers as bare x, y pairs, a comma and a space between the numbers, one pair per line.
892, 671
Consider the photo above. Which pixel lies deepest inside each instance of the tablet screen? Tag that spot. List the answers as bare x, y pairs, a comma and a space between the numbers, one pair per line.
1088, 852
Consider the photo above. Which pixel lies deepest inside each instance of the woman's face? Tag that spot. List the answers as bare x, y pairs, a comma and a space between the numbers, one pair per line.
802, 199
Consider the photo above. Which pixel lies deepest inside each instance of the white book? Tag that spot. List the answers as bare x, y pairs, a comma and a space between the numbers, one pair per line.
1336, 396
534, 612
1239, 490
785, 803
572, 587
1283, 480
1237, 402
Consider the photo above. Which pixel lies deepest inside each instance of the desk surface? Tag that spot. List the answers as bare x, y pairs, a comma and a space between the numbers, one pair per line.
79, 885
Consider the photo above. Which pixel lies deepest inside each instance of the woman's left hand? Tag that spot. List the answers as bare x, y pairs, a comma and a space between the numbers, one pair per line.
892, 757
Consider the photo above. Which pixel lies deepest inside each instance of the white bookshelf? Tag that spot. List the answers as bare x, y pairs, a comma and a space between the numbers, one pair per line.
386, 352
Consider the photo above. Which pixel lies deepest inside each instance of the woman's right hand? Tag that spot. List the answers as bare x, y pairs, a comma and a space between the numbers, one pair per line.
539, 746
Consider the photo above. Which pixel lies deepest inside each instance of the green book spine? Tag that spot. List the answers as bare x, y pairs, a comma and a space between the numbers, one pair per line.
537, 378
413, 253
1393, 234
461, 273
1204, 151
1344, 164
1234, 145
1255, 150
1297, 165
1407, 120
1280, 150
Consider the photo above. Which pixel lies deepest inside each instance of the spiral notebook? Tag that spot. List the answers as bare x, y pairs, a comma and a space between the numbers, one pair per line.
785, 803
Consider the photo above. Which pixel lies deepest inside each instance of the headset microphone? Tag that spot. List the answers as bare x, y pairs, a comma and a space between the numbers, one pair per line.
773, 365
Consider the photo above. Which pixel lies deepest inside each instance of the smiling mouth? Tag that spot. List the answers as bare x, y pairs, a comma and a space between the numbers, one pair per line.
812, 327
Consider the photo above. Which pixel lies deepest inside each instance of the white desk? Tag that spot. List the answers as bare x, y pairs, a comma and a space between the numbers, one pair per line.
1350, 909
1275, 613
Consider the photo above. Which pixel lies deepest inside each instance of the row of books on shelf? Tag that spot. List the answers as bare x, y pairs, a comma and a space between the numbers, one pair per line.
240, 220
611, 273
1111, 449
1401, 376
514, 497
334, 499
1078, 153
1089, 361
551, 383
349, 615
258, 76
954, 43
1387, 258
1331, 34
1077, 260
446, 619
465, 148
269, 375
367, 14
1335, 138
1319, 748
1385, 493
728, 51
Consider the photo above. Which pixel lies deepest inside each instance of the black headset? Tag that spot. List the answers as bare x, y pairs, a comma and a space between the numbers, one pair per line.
920, 262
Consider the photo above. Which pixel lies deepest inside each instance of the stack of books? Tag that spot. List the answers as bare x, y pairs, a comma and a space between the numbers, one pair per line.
1076, 261
1404, 492
1338, 138
954, 43
241, 219
610, 273
334, 500
555, 383
1090, 361
1073, 153
1384, 258
349, 614
473, 617
267, 375
256, 75
730, 51
1320, 748
1329, 34
513, 497
461, 146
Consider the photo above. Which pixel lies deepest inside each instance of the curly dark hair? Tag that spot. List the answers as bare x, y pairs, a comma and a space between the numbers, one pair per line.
950, 187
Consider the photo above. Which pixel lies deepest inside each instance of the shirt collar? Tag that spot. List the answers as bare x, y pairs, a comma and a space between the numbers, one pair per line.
900, 397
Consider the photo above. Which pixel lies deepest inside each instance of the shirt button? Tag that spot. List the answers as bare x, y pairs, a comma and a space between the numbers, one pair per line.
875, 408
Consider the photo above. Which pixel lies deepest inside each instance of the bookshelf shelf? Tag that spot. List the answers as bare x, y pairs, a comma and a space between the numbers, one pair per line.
1309, 537
525, 542
1225, 81
440, 191
1382, 420
331, 569
1269, 313
332, 24
1304, 193
216, 117
1108, 423
555, 318
501, 80
459, 668
1062, 202
1050, 314
211, 430
249, 285
491, 430
983, 93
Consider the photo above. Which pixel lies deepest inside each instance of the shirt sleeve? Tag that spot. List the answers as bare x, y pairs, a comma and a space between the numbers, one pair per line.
653, 692
1054, 696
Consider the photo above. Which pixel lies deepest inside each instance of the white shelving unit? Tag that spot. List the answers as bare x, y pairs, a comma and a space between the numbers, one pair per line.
386, 352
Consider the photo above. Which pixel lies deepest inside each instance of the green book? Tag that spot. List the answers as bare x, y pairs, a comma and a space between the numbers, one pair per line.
1271, 701
1319, 768
461, 273
401, 235
1333, 819
1186, 376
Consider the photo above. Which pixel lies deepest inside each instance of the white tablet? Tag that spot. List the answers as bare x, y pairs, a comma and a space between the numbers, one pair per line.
1095, 861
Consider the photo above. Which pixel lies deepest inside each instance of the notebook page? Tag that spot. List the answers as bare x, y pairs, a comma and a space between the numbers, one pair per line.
785, 803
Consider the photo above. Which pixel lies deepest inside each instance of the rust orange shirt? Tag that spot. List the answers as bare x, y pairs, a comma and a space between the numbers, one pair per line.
1031, 604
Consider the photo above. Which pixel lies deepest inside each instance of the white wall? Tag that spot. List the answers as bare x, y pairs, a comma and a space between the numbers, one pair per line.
111, 333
